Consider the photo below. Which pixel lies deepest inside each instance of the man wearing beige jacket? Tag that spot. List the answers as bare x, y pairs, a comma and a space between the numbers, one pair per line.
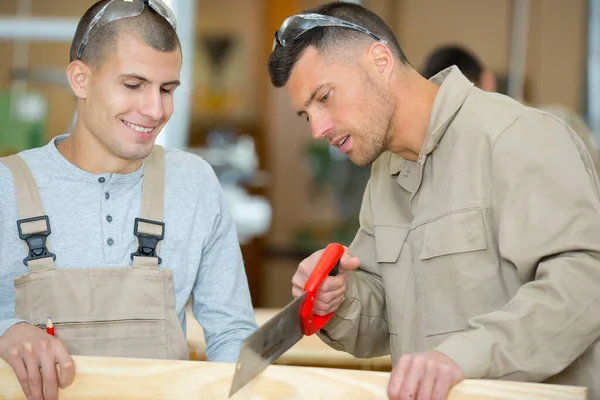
478, 252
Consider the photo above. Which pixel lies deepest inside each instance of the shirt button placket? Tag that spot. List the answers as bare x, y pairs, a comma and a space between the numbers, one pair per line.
108, 228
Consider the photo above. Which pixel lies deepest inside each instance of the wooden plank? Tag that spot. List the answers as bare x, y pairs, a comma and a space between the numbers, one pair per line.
135, 379
504, 390
310, 351
132, 379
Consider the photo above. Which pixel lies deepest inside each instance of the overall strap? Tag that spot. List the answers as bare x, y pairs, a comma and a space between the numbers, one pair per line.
149, 228
33, 225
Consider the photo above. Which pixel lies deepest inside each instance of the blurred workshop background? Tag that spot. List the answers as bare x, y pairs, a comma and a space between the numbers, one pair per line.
289, 194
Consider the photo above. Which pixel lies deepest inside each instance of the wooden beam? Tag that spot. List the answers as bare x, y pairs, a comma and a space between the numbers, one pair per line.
132, 379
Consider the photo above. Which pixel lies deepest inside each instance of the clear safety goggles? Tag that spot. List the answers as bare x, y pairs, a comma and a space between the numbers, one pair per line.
119, 9
296, 25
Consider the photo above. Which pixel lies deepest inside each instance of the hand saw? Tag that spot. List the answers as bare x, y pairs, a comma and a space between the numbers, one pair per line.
288, 326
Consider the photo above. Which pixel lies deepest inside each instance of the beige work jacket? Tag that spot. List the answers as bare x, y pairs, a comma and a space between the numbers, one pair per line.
487, 248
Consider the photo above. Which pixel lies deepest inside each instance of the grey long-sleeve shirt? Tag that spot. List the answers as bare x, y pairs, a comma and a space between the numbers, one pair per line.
92, 218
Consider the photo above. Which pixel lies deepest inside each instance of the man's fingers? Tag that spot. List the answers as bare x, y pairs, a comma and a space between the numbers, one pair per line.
331, 291
397, 377
332, 284
49, 376
426, 389
66, 366
412, 378
297, 286
298, 281
33, 373
328, 297
442, 385
323, 309
17, 363
423, 376
308, 264
296, 292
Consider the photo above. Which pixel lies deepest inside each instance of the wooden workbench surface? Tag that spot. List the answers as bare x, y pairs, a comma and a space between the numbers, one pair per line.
132, 379
310, 351
136, 379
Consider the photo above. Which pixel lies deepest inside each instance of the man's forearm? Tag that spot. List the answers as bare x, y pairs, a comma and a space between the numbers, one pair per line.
360, 326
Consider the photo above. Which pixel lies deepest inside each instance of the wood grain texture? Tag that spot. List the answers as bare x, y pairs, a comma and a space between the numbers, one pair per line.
136, 379
133, 379
504, 390
310, 351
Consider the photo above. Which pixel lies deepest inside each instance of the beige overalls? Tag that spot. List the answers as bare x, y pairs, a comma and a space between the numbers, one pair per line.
126, 311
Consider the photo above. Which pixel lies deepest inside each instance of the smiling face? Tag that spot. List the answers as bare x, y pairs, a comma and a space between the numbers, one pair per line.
129, 99
344, 104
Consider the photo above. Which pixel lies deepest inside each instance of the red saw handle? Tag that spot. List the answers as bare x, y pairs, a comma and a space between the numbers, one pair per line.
326, 265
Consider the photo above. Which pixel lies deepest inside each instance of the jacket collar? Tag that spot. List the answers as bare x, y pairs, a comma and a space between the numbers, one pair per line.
453, 92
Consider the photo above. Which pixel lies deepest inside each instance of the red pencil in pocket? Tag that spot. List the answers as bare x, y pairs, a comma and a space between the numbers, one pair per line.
50, 327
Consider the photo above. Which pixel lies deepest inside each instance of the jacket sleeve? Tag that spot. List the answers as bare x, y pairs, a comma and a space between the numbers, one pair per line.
547, 209
359, 326
579, 126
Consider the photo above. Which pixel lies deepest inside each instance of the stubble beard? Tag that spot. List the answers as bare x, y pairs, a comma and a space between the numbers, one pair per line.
377, 138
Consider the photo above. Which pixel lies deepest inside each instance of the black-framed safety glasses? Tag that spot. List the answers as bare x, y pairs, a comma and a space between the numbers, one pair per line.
296, 25
119, 9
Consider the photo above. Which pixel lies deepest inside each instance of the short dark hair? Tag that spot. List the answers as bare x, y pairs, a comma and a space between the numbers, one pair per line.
149, 26
282, 59
446, 56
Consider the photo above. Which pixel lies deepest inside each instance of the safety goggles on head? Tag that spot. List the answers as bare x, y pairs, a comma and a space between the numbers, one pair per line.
296, 25
119, 9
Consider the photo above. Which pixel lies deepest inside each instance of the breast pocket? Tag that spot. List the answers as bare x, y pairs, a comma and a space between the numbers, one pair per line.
389, 241
456, 272
452, 234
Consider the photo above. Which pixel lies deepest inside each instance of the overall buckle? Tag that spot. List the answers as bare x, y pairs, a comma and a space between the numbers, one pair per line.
147, 242
36, 242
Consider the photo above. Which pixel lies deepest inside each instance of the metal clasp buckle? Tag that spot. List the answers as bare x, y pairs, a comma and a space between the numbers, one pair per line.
36, 242
147, 243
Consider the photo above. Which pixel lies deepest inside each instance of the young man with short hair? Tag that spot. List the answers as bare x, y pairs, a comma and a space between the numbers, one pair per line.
108, 234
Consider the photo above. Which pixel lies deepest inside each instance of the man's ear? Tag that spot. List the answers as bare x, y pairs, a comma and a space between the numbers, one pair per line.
79, 75
382, 57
